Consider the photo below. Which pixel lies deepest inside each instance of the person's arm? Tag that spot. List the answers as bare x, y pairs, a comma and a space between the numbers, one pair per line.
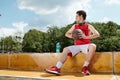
69, 32
93, 33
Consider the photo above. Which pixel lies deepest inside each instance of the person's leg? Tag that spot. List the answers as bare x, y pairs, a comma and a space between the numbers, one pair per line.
63, 57
70, 49
56, 69
91, 52
89, 55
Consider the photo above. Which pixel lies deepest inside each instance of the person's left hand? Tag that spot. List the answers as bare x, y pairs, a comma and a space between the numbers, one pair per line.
84, 36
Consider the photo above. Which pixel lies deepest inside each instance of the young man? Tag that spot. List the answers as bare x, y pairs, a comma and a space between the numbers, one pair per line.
82, 45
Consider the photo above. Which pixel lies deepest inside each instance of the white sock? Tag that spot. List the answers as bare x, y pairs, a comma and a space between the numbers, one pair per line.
86, 63
59, 64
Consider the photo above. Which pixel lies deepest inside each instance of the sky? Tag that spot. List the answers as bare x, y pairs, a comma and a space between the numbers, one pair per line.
18, 16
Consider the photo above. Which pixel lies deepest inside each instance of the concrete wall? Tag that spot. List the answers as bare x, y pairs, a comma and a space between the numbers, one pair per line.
3, 61
101, 62
117, 62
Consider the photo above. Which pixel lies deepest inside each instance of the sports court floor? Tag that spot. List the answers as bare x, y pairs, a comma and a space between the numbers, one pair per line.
35, 75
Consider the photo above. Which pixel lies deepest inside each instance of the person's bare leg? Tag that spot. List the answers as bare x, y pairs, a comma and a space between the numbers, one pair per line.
56, 69
63, 57
91, 52
89, 55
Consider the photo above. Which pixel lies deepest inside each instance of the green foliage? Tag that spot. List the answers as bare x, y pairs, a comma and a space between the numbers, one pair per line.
38, 41
55, 35
34, 41
109, 36
8, 44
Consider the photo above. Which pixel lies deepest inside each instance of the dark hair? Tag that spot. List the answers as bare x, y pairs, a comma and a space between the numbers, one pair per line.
82, 12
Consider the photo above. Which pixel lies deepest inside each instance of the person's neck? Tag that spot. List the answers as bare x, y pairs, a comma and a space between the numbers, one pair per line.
82, 21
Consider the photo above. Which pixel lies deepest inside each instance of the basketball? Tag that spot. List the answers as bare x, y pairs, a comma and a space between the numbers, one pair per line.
77, 34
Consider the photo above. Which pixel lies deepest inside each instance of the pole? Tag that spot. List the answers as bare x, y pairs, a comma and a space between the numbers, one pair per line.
3, 43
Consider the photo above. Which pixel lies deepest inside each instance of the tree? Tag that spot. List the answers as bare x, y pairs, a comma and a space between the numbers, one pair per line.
56, 34
33, 41
38, 41
109, 39
8, 44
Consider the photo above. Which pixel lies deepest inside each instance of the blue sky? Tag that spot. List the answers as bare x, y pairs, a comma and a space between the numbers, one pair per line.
22, 15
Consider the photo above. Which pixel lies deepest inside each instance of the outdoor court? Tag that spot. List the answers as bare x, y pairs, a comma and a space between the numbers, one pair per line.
31, 67
35, 75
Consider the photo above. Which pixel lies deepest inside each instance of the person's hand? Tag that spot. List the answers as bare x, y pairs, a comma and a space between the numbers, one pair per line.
83, 36
80, 35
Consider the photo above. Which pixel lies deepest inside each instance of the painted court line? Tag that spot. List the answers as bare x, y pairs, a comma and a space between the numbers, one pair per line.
23, 77
115, 77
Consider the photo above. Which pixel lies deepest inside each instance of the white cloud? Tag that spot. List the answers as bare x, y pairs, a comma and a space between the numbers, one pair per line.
6, 32
105, 19
57, 12
43, 29
17, 28
41, 6
71, 9
112, 1
38, 10
20, 26
52, 6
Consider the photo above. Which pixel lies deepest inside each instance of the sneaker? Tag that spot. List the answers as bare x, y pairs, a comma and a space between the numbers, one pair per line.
53, 70
85, 70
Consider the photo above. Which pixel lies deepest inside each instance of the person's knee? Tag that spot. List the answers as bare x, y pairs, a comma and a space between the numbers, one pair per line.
66, 50
92, 45
92, 48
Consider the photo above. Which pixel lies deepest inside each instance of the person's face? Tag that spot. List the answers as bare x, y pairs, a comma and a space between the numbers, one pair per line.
79, 18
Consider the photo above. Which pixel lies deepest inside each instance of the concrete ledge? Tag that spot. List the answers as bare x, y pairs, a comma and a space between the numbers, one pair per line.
116, 62
32, 61
3, 60
102, 62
